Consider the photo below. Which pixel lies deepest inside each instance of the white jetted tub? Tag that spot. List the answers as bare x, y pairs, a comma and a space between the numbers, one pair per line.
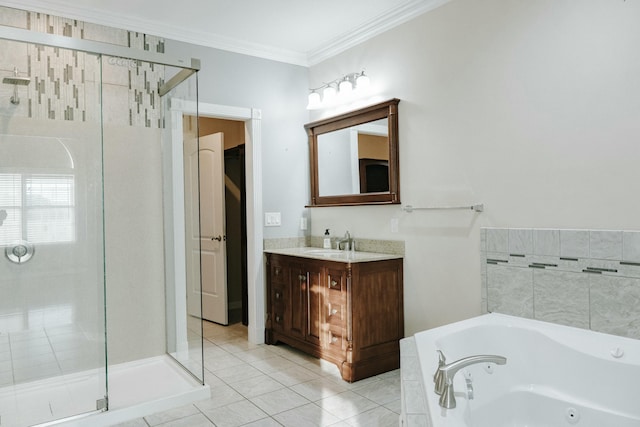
554, 375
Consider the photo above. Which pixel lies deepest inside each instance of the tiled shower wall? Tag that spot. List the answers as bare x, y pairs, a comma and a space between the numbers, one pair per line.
61, 80
584, 278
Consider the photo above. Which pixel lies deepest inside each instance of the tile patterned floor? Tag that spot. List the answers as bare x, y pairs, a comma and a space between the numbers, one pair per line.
264, 386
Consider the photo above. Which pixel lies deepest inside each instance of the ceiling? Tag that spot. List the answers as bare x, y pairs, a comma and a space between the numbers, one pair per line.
302, 32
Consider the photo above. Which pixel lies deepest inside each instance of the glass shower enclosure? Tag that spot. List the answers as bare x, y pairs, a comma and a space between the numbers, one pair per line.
93, 225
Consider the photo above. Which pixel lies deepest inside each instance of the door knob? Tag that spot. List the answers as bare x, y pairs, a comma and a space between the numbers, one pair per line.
219, 238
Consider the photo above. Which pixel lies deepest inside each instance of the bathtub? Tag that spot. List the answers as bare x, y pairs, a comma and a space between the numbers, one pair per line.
554, 376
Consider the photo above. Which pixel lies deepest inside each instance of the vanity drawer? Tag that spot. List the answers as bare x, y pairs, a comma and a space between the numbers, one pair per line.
336, 342
278, 294
335, 281
336, 313
278, 304
277, 317
277, 274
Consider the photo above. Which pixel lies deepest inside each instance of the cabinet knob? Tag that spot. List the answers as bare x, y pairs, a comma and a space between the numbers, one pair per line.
277, 319
334, 284
302, 277
334, 311
334, 340
277, 295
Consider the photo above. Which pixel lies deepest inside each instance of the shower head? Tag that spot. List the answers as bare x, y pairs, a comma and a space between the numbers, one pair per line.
16, 80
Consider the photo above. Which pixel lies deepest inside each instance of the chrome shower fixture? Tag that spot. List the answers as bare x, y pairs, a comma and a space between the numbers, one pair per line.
16, 81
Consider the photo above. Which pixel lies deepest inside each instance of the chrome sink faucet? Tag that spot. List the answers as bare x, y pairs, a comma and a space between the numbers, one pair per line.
445, 373
347, 240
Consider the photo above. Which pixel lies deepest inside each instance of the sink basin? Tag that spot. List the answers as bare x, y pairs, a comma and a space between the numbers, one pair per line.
325, 252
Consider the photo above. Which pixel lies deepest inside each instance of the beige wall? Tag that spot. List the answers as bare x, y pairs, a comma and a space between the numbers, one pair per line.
233, 130
373, 147
531, 108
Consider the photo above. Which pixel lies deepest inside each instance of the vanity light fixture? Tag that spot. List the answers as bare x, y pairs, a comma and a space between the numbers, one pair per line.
345, 87
362, 81
315, 101
329, 94
338, 91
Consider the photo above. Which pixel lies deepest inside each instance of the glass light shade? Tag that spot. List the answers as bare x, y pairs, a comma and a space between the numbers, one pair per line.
345, 87
362, 81
314, 100
329, 94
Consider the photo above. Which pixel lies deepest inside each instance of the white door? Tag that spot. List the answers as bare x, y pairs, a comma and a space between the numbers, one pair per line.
210, 253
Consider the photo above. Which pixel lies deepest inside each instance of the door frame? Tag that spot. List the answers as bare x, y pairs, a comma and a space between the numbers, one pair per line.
252, 118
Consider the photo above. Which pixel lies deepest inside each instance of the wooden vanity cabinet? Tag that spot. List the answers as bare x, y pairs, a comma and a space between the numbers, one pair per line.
350, 314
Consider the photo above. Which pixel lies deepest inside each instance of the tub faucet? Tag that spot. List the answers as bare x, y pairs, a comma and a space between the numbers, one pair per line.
438, 376
447, 399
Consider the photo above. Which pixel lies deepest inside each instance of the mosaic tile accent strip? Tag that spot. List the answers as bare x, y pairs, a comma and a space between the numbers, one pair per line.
61, 87
58, 90
144, 101
145, 42
588, 279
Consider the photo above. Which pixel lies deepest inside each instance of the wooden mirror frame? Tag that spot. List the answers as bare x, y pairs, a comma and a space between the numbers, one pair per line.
388, 109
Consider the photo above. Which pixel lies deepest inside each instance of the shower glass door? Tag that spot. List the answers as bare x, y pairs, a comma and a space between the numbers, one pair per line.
182, 206
52, 286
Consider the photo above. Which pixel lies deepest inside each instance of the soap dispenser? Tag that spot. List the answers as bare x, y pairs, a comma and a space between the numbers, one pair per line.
327, 240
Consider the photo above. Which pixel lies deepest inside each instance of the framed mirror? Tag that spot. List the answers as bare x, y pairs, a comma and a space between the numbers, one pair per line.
354, 157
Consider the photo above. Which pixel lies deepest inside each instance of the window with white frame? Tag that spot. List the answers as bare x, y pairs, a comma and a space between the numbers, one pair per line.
39, 208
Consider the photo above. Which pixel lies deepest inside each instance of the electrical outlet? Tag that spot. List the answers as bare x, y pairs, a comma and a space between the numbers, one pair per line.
272, 219
303, 223
394, 225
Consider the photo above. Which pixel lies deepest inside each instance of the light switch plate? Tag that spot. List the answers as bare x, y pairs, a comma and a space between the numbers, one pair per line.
272, 219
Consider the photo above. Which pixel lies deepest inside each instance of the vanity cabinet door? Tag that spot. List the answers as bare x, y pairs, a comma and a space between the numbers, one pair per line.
315, 298
297, 307
296, 299
305, 301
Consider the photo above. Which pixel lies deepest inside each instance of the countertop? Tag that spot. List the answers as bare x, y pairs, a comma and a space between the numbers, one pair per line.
333, 254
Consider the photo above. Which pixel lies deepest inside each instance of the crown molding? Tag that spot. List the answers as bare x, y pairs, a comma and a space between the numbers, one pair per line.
160, 29
366, 31
372, 28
